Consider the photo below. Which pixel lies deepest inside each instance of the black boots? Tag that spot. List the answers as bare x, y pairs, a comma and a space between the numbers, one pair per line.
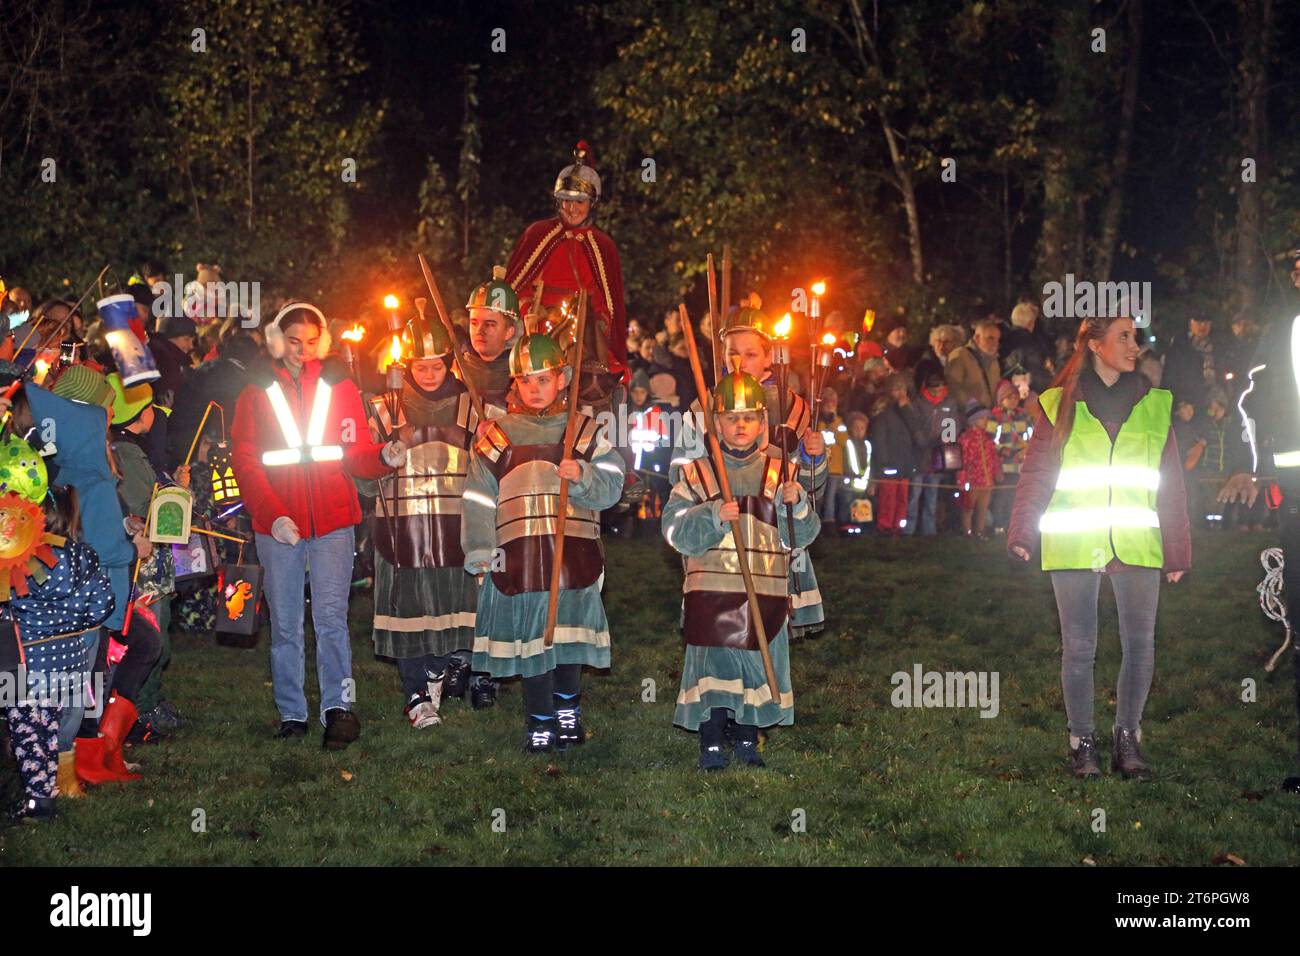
713, 756
1085, 761
744, 743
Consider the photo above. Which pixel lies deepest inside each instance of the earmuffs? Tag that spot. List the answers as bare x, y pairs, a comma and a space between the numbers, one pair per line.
275, 343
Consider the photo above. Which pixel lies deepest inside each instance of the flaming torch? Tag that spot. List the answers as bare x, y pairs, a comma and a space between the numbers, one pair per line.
391, 364
781, 364
349, 345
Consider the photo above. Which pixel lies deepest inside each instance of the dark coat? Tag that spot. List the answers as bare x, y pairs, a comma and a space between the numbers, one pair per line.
220, 381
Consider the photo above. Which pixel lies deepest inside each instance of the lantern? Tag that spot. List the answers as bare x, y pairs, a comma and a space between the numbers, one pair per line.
225, 489
134, 361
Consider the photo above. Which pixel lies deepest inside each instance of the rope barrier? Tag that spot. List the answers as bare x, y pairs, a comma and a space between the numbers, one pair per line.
1271, 601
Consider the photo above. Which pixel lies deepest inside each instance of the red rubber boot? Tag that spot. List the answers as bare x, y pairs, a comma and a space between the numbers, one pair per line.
99, 760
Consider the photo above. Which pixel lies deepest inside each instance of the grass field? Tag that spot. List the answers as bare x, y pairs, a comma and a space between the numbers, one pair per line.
875, 784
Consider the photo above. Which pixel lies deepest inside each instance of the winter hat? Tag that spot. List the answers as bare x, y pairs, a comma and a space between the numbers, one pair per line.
128, 403
9, 371
175, 326
975, 411
82, 384
1006, 389
640, 379
871, 364
663, 385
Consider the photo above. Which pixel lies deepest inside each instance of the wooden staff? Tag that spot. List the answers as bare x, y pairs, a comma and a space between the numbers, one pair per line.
538, 288
195, 444
570, 429
782, 377
451, 333
726, 280
130, 602
218, 534
715, 325
737, 534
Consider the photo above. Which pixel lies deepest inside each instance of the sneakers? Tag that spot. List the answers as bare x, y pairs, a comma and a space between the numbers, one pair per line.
1085, 761
290, 729
341, 728
483, 692
456, 677
421, 712
539, 735
568, 714
744, 744
1128, 758
35, 810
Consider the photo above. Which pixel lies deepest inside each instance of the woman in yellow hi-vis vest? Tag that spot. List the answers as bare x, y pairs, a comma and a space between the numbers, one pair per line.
1102, 487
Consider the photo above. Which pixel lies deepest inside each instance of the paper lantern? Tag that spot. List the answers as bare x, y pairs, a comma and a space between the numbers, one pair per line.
169, 516
225, 489
134, 362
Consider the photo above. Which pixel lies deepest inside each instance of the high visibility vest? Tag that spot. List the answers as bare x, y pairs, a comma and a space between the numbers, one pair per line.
1284, 458
1104, 505
296, 451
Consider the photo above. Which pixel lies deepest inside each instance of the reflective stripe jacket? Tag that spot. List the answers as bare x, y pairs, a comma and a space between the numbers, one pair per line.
1041, 477
319, 496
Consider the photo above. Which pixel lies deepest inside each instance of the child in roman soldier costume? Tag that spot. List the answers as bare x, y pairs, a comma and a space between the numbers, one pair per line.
424, 600
747, 342
725, 690
494, 327
508, 535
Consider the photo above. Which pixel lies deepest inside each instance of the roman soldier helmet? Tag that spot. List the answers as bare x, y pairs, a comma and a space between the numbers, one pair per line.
579, 180
739, 392
536, 352
495, 294
749, 318
426, 340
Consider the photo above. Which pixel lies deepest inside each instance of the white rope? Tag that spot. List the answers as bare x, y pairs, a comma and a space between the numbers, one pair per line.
1271, 601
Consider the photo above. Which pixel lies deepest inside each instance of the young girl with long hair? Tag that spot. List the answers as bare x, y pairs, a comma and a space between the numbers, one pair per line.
1102, 487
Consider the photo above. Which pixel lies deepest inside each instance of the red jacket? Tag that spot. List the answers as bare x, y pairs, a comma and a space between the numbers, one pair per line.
1038, 481
319, 496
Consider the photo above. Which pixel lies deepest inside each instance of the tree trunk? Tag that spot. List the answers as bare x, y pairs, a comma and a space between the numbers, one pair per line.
250, 149
1252, 94
1113, 211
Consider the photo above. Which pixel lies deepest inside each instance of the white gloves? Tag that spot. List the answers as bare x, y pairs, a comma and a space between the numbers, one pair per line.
285, 531
394, 454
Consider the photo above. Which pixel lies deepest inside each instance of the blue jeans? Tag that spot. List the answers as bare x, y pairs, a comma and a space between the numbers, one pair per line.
70, 717
330, 560
923, 497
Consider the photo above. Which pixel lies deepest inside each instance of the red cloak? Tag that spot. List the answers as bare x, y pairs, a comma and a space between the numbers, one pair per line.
567, 259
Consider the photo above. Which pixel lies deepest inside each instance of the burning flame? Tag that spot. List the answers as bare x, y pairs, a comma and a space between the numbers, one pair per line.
819, 288
354, 334
782, 327
868, 319
390, 302
828, 339
394, 354
42, 369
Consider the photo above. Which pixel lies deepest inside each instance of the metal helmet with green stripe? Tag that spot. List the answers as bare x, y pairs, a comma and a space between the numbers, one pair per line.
749, 318
495, 294
739, 392
536, 352
425, 339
